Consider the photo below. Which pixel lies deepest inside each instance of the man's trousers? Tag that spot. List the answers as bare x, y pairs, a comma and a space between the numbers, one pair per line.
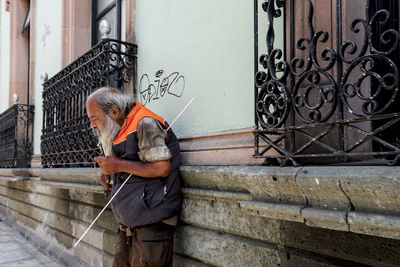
144, 246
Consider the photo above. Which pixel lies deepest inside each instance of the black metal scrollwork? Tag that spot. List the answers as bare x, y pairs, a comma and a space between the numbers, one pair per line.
353, 88
271, 106
310, 97
370, 66
66, 137
16, 136
331, 89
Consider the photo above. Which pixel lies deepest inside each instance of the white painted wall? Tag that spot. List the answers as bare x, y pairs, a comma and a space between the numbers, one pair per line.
4, 57
47, 53
210, 44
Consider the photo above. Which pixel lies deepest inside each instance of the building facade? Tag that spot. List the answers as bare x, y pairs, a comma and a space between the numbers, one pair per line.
286, 145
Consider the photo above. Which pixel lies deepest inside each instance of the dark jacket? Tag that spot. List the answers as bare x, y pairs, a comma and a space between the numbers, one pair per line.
144, 200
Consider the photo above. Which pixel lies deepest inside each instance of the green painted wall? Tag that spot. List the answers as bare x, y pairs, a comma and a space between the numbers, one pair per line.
186, 49
4, 56
207, 44
47, 55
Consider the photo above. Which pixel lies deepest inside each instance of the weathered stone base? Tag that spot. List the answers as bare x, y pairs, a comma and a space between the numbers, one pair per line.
54, 218
56, 252
231, 216
317, 216
53, 211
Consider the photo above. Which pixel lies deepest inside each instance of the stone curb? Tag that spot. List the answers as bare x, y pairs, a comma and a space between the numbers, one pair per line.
363, 223
67, 178
273, 210
356, 199
83, 175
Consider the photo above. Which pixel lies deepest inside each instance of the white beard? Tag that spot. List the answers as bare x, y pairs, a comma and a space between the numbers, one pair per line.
107, 135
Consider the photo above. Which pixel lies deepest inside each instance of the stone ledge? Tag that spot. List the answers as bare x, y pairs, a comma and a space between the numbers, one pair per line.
73, 186
327, 219
272, 184
17, 178
17, 173
375, 224
326, 196
273, 210
380, 225
66, 175
76, 175
358, 222
35, 185
214, 194
365, 189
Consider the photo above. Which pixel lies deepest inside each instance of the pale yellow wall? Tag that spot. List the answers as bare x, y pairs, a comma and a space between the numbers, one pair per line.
47, 54
4, 57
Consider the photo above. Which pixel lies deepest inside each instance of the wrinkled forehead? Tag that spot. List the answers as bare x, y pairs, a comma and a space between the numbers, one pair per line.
93, 108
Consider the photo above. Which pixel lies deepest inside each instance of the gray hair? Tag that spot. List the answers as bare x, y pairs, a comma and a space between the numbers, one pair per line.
108, 97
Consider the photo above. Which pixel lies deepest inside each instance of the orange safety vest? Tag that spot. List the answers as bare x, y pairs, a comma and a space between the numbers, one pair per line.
130, 124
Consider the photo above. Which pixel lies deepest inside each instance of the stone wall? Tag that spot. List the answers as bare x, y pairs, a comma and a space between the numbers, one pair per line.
231, 216
306, 216
54, 210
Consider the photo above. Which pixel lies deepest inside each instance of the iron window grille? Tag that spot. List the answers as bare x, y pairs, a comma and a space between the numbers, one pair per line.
66, 139
316, 103
16, 136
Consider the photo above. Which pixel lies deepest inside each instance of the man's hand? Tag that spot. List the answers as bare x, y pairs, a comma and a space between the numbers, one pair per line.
104, 180
109, 164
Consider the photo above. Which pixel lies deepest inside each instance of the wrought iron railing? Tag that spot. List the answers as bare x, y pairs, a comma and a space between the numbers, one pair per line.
66, 137
16, 137
327, 95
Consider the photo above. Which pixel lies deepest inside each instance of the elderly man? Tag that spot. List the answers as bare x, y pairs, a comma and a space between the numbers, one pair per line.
135, 141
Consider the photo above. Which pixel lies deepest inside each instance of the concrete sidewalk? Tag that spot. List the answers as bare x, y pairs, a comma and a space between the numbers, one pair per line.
17, 251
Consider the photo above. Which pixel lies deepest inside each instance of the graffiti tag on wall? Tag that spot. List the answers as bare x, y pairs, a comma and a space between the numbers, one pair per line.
172, 84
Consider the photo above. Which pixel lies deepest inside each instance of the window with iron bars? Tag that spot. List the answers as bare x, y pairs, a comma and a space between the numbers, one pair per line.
16, 136
331, 93
66, 139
